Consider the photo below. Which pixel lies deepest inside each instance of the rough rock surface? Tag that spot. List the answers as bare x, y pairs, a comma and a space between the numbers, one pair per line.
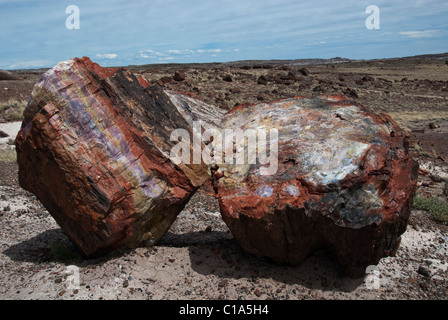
345, 181
94, 149
6, 75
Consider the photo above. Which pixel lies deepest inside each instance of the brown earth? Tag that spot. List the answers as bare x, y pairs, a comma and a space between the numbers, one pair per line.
197, 258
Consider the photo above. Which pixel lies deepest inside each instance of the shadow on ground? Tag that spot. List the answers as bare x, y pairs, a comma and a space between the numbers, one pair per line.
37, 249
217, 253
211, 253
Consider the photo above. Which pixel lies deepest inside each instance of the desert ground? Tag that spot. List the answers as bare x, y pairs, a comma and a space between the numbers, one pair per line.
198, 259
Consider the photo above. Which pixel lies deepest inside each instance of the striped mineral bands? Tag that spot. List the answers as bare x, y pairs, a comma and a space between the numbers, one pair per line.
94, 148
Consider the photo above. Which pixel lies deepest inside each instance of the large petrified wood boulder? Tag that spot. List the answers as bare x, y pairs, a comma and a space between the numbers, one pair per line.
95, 149
344, 181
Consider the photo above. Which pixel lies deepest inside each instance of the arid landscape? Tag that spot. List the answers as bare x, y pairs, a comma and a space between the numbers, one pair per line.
198, 258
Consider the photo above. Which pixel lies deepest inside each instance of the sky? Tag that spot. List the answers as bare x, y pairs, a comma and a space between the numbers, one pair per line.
34, 33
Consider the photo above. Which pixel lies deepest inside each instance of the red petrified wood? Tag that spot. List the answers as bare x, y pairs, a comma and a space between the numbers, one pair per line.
94, 149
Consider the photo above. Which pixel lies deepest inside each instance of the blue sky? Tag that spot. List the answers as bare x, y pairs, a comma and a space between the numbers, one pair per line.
33, 33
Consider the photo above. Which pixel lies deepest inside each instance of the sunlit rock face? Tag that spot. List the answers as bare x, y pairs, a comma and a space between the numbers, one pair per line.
94, 149
344, 181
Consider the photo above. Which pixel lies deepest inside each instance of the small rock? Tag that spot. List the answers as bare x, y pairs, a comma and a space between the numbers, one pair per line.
261, 97
304, 71
179, 76
352, 92
286, 75
257, 292
433, 125
424, 271
368, 78
318, 89
6, 75
223, 283
262, 80
423, 285
227, 78
167, 79
7, 208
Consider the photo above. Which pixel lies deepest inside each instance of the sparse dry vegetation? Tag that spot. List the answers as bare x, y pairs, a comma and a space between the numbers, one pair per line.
437, 207
8, 155
12, 110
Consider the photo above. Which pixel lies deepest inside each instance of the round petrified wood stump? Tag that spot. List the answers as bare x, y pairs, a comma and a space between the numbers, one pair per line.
344, 181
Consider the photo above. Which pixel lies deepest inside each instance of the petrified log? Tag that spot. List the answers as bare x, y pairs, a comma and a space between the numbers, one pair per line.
6, 75
344, 181
95, 149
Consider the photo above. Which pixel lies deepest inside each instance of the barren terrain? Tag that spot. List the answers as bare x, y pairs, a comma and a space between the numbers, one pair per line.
197, 258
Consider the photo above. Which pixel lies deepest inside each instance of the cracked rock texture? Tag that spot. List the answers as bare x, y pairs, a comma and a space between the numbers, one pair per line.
345, 182
94, 149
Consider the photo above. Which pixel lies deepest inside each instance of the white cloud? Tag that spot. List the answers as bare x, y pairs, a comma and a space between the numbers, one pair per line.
166, 58
168, 54
184, 51
198, 51
106, 55
29, 64
150, 54
420, 34
209, 51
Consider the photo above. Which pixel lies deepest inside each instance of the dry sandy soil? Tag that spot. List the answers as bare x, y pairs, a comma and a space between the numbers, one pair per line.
197, 258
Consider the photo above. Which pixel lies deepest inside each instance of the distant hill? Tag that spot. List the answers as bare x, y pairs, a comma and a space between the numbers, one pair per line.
261, 63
